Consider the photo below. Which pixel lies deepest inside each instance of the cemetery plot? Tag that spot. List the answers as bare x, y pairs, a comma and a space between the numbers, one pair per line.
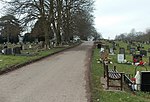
100, 92
21, 49
130, 63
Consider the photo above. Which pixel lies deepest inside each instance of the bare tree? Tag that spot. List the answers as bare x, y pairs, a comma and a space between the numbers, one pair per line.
10, 28
63, 18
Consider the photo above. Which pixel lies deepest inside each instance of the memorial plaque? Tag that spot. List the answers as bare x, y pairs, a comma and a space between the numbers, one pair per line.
120, 58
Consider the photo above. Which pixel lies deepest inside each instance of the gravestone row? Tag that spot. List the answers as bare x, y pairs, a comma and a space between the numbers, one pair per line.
11, 51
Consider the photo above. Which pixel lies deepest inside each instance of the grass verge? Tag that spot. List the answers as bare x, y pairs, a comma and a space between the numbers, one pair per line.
11, 62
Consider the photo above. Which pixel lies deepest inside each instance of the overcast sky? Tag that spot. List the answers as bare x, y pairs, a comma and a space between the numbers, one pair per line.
113, 17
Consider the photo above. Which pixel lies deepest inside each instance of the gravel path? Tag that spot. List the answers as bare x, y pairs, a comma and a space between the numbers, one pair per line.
59, 78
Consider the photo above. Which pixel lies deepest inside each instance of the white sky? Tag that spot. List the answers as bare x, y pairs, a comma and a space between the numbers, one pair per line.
113, 17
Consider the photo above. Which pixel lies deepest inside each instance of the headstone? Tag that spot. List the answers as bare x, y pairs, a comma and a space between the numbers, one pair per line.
40, 45
143, 52
102, 49
30, 46
111, 51
8, 51
1, 48
20, 38
122, 51
132, 50
145, 82
17, 50
121, 58
114, 46
98, 46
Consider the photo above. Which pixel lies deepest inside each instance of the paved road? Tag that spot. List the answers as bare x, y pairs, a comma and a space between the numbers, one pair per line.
59, 78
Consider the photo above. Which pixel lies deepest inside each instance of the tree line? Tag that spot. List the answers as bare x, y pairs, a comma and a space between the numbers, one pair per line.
135, 36
58, 20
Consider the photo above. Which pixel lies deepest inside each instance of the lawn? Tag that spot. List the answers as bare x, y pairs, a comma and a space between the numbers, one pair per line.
99, 95
9, 60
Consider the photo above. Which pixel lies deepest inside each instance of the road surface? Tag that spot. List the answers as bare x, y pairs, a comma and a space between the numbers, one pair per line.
58, 78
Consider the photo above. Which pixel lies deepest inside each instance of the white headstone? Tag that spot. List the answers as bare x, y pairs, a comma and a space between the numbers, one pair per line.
102, 49
120, 58
111, 51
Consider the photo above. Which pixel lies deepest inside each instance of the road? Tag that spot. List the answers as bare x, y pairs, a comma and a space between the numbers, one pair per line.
59, 78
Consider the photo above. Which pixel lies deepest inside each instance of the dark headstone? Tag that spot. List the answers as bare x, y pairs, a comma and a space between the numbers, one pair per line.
143, 52
98, 46
145, 82
17, 50
122, 51
5, 46
114, 46
8, 51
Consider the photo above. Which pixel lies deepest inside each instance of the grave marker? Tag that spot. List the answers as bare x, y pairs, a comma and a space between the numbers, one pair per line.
143, 52
17, 50
111, 51
122, 51
145, 82
121, 58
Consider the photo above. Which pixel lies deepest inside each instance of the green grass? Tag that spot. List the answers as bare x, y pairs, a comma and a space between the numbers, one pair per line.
9, 60
97, 92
